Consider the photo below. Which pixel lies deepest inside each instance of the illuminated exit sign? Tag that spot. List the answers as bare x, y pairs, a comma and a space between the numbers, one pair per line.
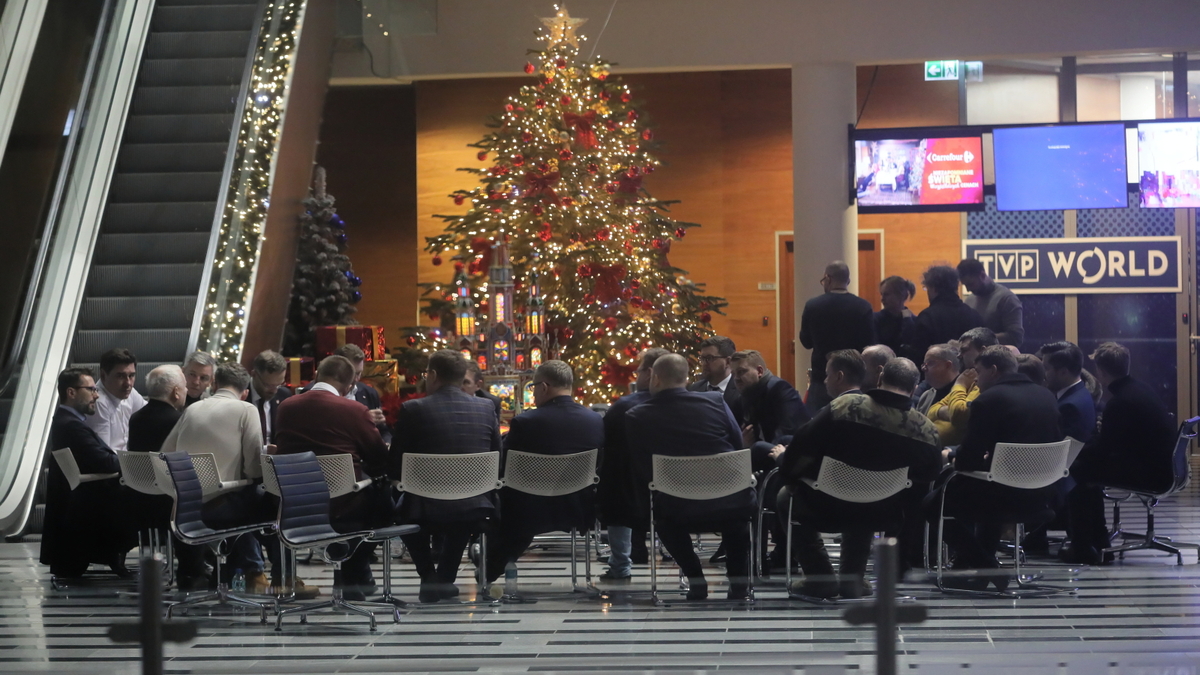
941, 70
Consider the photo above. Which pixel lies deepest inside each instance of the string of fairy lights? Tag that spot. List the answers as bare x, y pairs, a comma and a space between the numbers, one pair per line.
568, 156
241, 237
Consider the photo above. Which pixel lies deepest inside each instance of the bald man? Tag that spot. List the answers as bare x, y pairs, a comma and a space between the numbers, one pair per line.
676, 421
836, 319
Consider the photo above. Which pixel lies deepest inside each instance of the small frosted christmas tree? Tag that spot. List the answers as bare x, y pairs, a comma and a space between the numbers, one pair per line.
325, 287
568, 156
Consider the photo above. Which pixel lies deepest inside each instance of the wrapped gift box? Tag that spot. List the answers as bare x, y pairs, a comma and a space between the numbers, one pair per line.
370, 338
300, 372
384, 376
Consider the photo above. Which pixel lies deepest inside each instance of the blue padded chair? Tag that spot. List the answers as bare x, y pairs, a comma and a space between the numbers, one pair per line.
188, 524
304, 523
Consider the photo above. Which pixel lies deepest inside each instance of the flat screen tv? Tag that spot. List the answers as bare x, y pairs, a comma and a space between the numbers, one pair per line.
1071, 166
1169, 160
910, 173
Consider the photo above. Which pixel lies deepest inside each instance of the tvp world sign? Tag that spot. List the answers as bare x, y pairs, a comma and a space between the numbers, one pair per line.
1092, 265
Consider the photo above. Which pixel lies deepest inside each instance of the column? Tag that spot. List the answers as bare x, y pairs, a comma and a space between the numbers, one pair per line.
825, 223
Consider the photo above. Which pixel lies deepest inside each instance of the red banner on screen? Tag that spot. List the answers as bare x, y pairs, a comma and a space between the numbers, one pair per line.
953, 171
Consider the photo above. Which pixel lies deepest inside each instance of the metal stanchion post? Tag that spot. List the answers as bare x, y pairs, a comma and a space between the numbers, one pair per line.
151, 631
884, 612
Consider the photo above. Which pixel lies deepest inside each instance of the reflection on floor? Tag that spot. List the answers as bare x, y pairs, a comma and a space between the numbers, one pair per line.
1136, 616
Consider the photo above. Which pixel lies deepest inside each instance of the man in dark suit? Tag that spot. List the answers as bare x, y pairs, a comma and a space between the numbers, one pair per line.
446, 421
324, 421
267, 390
473, 385
557, 426
676, 421
1133, 449
90, 523
877, 431
624, 503
1010, 409
837, 319
945, 319
716, 354
1063, 362
363, 392
771, 408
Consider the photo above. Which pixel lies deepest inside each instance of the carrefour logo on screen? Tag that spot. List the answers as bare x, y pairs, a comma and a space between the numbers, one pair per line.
967, 156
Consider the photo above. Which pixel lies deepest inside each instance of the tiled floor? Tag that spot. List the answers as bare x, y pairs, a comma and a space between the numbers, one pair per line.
1139, 616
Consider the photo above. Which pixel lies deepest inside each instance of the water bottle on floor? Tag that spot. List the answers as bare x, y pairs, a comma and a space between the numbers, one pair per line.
239, 581
510, 578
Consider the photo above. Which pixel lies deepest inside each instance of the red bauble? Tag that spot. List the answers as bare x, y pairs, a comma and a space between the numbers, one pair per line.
411, 340
627, 293
482, 155
626, 97
628, 246
561, 63
599, 332
584, 270
679, 232
458, 266
574, 237
529, 68
526, 137
668, 336
437, 260
632, 147
704, 305
662, 287
565, 155
633, 172
592, 168
611, 125
536, 210
589, 298
603, 234
631, 115
635, 284
604, 95
634, 228
545, 234
636, 301
649, 168
518, 160
458, 200
508, 107
706, 317
610, 322
565, 101
647, 135
657, 243
568, 333
433, 316
539, 104
567, 201
611, 188
412, 379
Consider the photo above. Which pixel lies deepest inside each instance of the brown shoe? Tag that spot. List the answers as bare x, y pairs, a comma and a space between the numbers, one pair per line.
302, 590
258, 584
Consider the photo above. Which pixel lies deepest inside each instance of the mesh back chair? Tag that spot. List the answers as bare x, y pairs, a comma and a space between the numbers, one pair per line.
66, 463
210, 477
452, 477
767, 487
304, 522
188, 524
698, 478
849, 484
556, 476
1020, 466
1180, 477
137, 473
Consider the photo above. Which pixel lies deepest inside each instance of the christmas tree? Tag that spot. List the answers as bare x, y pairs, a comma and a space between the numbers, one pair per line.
568, 157
324, 288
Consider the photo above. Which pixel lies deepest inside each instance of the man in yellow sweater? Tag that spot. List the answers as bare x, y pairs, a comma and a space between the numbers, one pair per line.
950, 414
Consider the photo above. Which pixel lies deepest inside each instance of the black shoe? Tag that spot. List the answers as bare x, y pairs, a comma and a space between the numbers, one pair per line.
197, 583
447, 591
117, 565
854, 588
738, 592
966, 583
353, 594
1080, 554
609, 576
698, 590
430, 592
718, 556
823, 590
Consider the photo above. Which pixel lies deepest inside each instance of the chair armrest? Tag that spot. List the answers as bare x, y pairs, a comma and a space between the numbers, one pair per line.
227, 485
393, 532
980, 475
93, 477
364, 483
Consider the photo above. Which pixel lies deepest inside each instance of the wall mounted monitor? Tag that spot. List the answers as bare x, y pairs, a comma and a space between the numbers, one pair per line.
906, 173
1070, 166
1169, 163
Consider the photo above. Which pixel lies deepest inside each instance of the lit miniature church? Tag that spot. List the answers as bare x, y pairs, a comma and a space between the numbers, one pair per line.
506, 348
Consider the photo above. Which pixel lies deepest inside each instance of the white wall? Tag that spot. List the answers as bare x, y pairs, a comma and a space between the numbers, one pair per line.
1013, 99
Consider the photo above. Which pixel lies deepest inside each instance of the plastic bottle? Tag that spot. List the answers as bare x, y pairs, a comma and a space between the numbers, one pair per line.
239, 581
510, 578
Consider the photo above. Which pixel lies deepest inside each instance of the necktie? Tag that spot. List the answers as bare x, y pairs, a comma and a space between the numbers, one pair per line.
262, 418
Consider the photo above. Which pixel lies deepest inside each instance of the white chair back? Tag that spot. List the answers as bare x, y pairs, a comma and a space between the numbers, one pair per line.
66, 462
550, 475
207, 472
162, 475
338, 469
137, 472
1076, 448
702, 477
270, 481
1029, 466
450, 477
859, 486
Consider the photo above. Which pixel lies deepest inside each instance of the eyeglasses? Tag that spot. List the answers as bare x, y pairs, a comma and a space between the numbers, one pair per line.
92, 389
709, 358
534, 384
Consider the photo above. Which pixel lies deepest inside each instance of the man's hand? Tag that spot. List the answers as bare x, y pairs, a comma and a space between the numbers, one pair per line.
777, 451
966, 378
945, 455
749, 435
376, 416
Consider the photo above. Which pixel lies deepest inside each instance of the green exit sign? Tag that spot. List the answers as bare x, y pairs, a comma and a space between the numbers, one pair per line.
941, 70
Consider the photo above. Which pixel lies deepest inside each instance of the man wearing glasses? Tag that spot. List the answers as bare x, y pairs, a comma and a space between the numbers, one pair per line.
88, 524
715, 363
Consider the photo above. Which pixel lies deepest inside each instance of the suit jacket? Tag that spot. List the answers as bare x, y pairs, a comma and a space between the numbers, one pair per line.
1077, 412
946, 318
88, 524
615, 495
1013, 410
272, 406
774, 408
890, 329
225, 426
366, 395
150, 426
448, 421
494, 399
685, 423
559, 426
731, 394
326, 424
834, 321
1136, 440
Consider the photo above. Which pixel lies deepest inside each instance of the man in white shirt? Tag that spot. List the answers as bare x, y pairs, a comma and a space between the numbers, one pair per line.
228, 427
118, 399
267, 390
715, 355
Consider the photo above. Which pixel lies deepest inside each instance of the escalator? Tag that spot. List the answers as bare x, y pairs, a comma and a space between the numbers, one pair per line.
162, 211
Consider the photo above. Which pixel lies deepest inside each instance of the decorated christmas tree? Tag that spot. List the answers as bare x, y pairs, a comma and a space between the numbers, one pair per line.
324, 288
563, 188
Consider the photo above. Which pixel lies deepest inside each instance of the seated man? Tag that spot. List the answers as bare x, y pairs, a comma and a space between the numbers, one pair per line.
198, 371
1133, 450
325, 421
1009, 409
716, 363
941, 370
557, 426
362, 392
877, 431
676, 421
228, 427
446, 421
90, 523
875, 357
118, 399
267, 390
624, 504
950, 414
771, 408
473, 385
1063, 362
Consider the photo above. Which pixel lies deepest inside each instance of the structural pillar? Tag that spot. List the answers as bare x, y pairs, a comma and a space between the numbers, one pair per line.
825, 222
